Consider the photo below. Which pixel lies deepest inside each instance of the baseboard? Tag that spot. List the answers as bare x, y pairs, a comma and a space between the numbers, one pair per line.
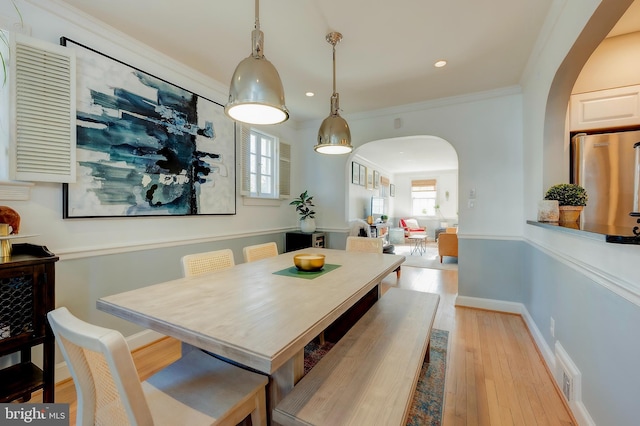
134, 341
578, 408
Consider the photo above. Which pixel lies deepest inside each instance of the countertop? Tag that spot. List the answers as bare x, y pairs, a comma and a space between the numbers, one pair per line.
608, 233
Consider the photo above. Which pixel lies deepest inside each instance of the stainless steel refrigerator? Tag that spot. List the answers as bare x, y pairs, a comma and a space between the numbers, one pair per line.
604, 165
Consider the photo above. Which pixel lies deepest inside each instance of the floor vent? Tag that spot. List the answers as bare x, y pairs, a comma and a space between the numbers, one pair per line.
567, 375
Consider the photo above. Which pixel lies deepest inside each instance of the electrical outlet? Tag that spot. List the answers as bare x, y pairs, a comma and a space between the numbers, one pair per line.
552, 326
471, 203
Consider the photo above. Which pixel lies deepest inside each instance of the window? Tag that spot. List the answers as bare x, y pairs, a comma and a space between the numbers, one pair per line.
423, 197
265, 165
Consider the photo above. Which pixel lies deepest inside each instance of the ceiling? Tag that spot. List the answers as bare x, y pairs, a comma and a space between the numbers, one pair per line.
385, 59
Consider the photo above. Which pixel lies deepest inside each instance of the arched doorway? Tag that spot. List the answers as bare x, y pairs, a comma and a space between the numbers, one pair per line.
397, 161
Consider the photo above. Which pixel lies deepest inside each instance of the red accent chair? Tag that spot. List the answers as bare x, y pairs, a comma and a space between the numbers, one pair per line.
411, 227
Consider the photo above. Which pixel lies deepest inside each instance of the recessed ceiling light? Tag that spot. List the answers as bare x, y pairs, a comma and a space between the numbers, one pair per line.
441, 63
310, 94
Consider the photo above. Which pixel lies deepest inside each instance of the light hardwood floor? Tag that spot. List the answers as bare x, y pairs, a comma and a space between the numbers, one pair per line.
495, 375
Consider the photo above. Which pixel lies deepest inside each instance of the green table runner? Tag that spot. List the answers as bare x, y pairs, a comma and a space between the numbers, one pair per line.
294, 272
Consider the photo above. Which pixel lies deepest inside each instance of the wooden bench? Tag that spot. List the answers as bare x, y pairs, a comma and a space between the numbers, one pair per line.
370, 375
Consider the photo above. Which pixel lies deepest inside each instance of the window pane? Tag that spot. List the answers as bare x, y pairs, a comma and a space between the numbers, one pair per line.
266, 166
263, 165
253, 164
266, 188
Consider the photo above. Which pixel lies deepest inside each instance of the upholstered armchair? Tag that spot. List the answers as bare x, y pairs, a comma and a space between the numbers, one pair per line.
447, 245
411, 227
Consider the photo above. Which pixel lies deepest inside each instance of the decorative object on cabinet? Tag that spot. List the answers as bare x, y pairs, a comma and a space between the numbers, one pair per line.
355, 173
571, 200
10, 217
307, 215
146, 147
548, 211
27, 293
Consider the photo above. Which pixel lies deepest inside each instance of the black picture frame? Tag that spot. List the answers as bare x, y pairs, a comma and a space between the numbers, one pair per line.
145, 146
355, 173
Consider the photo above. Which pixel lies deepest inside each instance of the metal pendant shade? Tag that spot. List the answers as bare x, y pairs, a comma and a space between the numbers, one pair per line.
334, 136
256, 95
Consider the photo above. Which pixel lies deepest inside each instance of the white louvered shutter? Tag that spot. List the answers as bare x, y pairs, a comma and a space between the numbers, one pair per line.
284, 168
43, 137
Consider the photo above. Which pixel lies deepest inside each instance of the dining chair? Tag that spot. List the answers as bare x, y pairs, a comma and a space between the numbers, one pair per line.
200, 263
260, 251
368, 245
196, 389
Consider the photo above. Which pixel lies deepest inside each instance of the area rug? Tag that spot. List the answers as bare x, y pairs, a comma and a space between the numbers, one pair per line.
428, 400
429, 259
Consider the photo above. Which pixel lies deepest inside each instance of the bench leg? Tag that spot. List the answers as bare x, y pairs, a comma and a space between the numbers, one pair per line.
427, 356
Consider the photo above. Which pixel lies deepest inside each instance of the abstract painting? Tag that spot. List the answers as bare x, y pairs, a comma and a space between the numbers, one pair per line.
146, 147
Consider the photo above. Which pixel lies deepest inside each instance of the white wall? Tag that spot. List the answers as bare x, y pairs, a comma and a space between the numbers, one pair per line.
590, 287
615, 63
359, 196
489, 140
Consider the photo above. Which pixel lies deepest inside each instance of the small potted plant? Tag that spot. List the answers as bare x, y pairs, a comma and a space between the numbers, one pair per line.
384, 218
307, 215
571, 200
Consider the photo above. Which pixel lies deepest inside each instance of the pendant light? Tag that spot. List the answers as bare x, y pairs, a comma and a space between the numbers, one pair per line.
334, 136
256, 95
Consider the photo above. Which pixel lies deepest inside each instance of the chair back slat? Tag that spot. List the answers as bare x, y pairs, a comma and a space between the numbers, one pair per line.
201, 263
364, 244
260, 251
107, 384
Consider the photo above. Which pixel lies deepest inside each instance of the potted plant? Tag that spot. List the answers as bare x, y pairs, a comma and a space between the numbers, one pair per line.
307, 215
384, 218
571, 200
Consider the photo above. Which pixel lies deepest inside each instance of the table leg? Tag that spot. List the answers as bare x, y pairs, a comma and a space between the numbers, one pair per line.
283, 379
414, 245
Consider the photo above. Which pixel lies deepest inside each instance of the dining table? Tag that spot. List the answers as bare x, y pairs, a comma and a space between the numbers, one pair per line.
259, 314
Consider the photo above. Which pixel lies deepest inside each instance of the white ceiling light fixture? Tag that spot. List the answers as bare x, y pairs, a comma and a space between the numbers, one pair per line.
334, 136
441, 63
256, 95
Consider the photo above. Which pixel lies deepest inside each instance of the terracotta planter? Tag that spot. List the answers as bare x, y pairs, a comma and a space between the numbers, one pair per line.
570, 214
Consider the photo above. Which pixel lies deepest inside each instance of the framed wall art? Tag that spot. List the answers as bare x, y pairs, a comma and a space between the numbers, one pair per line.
146, 147
376, 179
392, 190
355, 173
363, 175
369, 179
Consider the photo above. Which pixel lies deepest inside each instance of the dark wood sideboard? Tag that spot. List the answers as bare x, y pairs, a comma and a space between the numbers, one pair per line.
27, 293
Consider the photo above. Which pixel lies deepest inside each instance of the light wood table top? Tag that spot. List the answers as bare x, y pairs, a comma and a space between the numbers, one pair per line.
251, 315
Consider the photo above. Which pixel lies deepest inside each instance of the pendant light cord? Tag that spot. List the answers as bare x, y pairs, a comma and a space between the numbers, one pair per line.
334, 68
257, 24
